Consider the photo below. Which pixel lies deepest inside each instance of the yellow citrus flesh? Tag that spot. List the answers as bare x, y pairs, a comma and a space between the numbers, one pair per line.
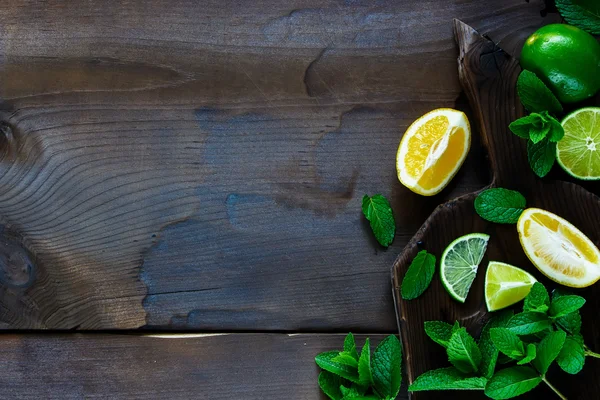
432, 150
505, 285
558, 249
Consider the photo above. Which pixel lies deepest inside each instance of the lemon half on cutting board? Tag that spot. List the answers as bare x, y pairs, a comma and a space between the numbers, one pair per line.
558, 249
432, 150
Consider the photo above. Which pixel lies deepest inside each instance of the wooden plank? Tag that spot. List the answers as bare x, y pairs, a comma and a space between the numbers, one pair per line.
200, 164
230, 366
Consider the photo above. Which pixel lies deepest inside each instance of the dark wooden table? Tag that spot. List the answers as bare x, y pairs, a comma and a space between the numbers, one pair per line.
181, 180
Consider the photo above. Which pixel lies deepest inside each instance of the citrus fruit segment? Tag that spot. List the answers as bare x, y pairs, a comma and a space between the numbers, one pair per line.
459, 264
566, 58
505, 285
578, 152
432, 150
558, 249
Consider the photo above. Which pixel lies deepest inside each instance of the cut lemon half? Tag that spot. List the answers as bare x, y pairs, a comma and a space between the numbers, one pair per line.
432, 150
505, 285
578, 152
459, 263
558, 249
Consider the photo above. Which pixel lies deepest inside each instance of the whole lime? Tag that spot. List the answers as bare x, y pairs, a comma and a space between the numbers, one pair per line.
566, 58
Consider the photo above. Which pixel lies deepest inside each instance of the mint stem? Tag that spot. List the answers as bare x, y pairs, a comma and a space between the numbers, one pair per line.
559, 394
590, 353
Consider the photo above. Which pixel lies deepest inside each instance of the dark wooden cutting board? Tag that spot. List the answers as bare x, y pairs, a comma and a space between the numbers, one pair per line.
488, 76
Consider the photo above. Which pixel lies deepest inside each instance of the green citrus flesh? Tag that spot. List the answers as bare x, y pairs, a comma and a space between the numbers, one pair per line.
459, 263
566, 58
578, 153
505, 285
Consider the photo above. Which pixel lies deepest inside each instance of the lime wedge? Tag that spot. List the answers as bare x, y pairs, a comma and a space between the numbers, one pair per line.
578, 153
505, 285
459, 263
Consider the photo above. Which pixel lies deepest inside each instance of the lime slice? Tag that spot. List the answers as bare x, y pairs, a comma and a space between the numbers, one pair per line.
459, 263
578, 153
505, 285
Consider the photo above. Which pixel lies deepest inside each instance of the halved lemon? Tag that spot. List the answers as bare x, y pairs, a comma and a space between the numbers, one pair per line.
432, 150
506, 285
578, 153
558, 249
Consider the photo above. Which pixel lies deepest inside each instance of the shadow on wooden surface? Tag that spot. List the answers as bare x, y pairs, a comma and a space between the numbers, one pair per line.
200, 165
489, 77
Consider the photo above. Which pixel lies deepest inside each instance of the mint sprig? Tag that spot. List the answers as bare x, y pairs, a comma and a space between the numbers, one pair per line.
500, 205
538, 126
418, 276
348, 376
535, 95
379, 213
584, 16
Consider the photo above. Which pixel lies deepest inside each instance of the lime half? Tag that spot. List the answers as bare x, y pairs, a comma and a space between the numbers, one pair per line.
578, 153
459, 263
505, 285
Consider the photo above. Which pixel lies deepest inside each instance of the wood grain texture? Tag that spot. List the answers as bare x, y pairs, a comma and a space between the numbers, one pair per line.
102, 366
489, 75
199, 165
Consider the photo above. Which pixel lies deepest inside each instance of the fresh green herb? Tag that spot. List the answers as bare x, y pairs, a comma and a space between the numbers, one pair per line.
419, 275
584, 16
570, 323
379, 213
345, 378
535, 95
387, 375
512, 382
447, 379
528, 322
547, 350
530, 354
538, 126
572, 355
499, 205
489, 352
508, 343
541, 156
537, 299
564, 305
440, 332
463, 352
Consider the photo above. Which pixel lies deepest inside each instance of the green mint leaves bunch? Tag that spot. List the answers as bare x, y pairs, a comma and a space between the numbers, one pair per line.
541, 129
548, 330
379, 213
347, 375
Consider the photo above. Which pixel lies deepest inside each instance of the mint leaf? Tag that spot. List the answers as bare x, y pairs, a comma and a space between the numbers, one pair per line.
572, 355
508, 343
446, 379
362, 397
537, 299
364, 365
387, 375
564, 305
548, 349
438, 331
570, 323
584, 16
489, 352
379, 213
530, 354
529, 322
536, 135
463, 352
535, 95
541, 156
346, 359
512, 382
350, 346
330, 385
419, 275
325, 361
557, 132
499, 205
349, 392
521, 126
